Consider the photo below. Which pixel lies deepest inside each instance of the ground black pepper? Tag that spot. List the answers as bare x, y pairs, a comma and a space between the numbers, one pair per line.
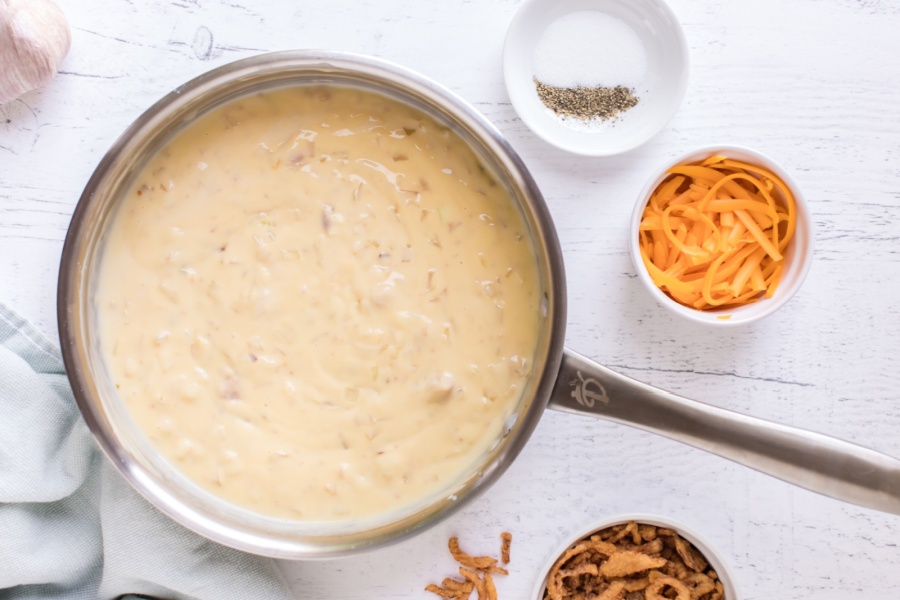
587, 103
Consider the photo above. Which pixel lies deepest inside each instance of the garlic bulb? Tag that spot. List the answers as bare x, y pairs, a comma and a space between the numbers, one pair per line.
34, 39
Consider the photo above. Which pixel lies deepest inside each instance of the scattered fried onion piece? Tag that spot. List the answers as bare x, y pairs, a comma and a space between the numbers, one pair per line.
506, 543
473, 562
477, 572
490, 587
461, 587
442, 592
477, 581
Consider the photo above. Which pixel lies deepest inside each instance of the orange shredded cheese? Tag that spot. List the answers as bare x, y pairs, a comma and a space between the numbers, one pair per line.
714, 232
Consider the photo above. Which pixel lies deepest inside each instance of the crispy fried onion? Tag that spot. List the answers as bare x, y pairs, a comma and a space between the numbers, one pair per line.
477, 581
477, 573
473, 562
582, 551
655, 590
634, 561
506, 541
628, 562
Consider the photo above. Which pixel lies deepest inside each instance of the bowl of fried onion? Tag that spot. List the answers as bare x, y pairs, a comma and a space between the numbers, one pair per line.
635, 557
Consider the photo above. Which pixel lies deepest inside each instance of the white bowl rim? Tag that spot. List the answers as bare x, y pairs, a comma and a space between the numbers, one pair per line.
599, 150
738, 316
715, 559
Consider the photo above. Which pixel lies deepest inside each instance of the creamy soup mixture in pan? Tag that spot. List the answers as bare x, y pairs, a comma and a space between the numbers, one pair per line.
318, 305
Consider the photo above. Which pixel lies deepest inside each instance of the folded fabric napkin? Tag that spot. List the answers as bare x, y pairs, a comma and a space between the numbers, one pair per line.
70, 527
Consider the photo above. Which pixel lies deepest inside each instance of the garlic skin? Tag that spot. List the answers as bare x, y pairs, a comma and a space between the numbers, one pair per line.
34, 39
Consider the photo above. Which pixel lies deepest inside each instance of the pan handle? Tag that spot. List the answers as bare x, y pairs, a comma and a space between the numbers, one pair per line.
817, 462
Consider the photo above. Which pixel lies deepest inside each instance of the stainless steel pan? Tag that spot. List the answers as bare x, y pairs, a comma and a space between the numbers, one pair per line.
561, 379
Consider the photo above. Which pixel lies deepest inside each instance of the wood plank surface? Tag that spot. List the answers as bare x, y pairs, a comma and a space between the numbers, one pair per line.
813, 83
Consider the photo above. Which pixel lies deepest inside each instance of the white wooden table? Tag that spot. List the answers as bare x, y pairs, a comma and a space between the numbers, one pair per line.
813, 83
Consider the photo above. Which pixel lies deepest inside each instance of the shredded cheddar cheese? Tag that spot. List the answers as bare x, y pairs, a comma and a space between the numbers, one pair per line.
713, 233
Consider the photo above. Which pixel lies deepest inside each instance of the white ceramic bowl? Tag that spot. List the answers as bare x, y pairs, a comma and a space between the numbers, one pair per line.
716, 561
798, 256
660, 94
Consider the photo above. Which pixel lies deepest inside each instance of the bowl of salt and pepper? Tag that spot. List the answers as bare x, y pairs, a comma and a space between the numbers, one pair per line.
596, 77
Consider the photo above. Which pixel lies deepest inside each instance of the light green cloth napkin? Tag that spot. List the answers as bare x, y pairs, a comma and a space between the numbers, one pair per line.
70, 527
